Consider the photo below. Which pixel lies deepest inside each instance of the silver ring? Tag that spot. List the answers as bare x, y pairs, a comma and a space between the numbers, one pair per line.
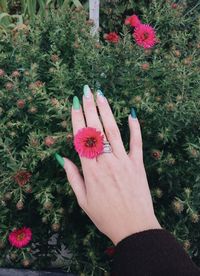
107, 147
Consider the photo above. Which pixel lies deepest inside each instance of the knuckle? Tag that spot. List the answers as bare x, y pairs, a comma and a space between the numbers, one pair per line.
113, 133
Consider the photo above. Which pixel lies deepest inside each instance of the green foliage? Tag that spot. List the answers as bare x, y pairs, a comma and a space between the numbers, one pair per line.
52, 59
31, 9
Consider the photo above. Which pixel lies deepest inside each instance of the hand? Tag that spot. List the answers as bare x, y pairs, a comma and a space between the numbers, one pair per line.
114, 192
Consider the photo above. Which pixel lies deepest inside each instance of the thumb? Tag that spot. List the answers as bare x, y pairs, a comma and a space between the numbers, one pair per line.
135, 152
75, 179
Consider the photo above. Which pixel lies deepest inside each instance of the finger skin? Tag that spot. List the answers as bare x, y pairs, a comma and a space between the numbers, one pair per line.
76, 181
78, 120
90, 111
136, 152
110, 126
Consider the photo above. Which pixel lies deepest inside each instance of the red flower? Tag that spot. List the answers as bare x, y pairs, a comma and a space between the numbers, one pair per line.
88, 142
112, 37
22, 177
20, 237
132, 20
110, 251
145, 36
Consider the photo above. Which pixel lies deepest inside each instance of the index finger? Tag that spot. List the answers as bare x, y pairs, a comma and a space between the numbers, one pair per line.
78, 122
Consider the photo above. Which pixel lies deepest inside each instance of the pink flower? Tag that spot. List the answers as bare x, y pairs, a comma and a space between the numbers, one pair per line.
88, 142
132, 20
112, 37
20, 237
145, 36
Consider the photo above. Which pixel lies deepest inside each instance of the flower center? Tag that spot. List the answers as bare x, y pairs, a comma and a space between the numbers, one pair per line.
145, 36
20, 236
90, 142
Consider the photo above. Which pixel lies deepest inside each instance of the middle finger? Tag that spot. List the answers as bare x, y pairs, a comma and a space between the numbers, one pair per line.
90, 110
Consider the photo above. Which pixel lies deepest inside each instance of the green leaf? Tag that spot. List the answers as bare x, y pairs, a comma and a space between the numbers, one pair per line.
77, 3
31, 4
42, 7
5, 19
3, 6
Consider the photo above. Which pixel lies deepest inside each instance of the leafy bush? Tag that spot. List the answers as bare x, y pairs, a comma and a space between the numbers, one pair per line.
42, 66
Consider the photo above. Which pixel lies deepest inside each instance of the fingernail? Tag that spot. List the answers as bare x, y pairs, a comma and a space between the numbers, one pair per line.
60, 159
100, 95
76, 104
86, 91
133, 113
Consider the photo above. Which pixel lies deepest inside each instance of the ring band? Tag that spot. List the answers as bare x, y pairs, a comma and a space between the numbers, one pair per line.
107, 147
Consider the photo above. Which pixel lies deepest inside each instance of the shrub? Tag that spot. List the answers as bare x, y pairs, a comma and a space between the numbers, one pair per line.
42, 66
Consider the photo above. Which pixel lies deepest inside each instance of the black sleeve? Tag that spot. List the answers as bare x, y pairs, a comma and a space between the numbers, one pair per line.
151, 253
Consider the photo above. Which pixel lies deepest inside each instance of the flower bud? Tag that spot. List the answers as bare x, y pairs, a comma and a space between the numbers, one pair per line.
9, 86
21, 103
49, 141
156, 154
26, 262
186, 245
55, 227
54, 58
145, 66
48, 205
2, 73
15, 74
20, 205
194, 217
158, 192
13, 256
7, 196
177, 206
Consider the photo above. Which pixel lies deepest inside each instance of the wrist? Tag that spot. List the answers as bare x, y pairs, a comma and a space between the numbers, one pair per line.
132, 229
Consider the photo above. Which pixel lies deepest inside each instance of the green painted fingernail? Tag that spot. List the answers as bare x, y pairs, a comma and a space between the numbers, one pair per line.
76, 104
60, 159
100, 93
133, 113
86, 91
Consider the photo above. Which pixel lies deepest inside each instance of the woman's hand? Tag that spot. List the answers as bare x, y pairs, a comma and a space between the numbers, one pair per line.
114, 192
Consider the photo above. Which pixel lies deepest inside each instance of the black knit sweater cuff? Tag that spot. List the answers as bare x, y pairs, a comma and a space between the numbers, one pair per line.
150, 253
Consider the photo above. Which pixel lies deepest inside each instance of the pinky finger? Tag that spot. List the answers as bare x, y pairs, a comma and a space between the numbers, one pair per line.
136, 152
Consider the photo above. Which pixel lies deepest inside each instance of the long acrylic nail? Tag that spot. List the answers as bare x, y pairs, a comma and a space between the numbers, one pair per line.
60, 159
76, 104
87, 91
100, 95
133, 113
